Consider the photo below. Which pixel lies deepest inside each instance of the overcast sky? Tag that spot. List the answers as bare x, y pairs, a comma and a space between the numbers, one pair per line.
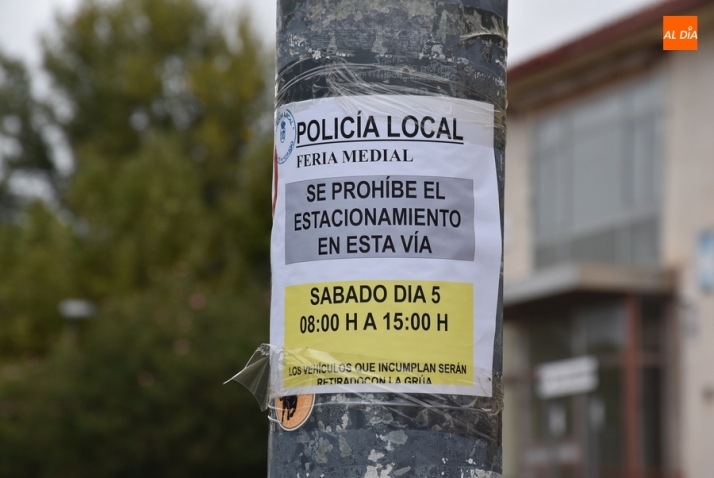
535, 25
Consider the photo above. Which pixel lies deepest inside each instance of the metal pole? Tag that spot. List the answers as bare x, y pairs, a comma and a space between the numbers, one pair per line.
349, 48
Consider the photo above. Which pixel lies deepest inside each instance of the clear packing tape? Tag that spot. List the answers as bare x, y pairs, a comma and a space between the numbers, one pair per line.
356, 82
469, 415
453, 48
462, 55
340, 78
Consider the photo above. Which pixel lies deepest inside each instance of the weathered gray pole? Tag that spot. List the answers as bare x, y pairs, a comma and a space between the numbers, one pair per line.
453, 49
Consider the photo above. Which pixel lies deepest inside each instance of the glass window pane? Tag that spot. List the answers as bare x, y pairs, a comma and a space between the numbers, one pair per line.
652, 326
646, 155
598, 112
645, 243
647, 96
548, 255
547, 197
597, 177
604, 329
551, 132
600, 247
605, 421
552, 419
550, 339
651, 417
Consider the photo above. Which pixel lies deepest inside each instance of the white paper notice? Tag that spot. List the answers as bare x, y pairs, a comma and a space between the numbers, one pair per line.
386, 245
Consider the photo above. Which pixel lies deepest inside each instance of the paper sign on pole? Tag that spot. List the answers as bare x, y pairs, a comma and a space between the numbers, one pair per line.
386, 245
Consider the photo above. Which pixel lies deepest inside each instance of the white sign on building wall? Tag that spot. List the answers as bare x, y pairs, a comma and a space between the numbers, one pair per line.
567, 377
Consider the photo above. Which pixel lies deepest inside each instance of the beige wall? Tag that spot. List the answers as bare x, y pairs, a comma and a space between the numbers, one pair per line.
517, 265
688, 210
518, 248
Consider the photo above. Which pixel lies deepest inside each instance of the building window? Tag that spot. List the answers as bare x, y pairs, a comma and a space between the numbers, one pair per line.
586, 433
597, 178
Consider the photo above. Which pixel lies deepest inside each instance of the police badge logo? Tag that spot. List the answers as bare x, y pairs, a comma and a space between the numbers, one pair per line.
293, 411
285, 135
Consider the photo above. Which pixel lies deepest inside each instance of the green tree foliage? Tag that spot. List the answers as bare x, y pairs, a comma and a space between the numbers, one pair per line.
141, 75
23, 147
36, 272
142, 396
164, 224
